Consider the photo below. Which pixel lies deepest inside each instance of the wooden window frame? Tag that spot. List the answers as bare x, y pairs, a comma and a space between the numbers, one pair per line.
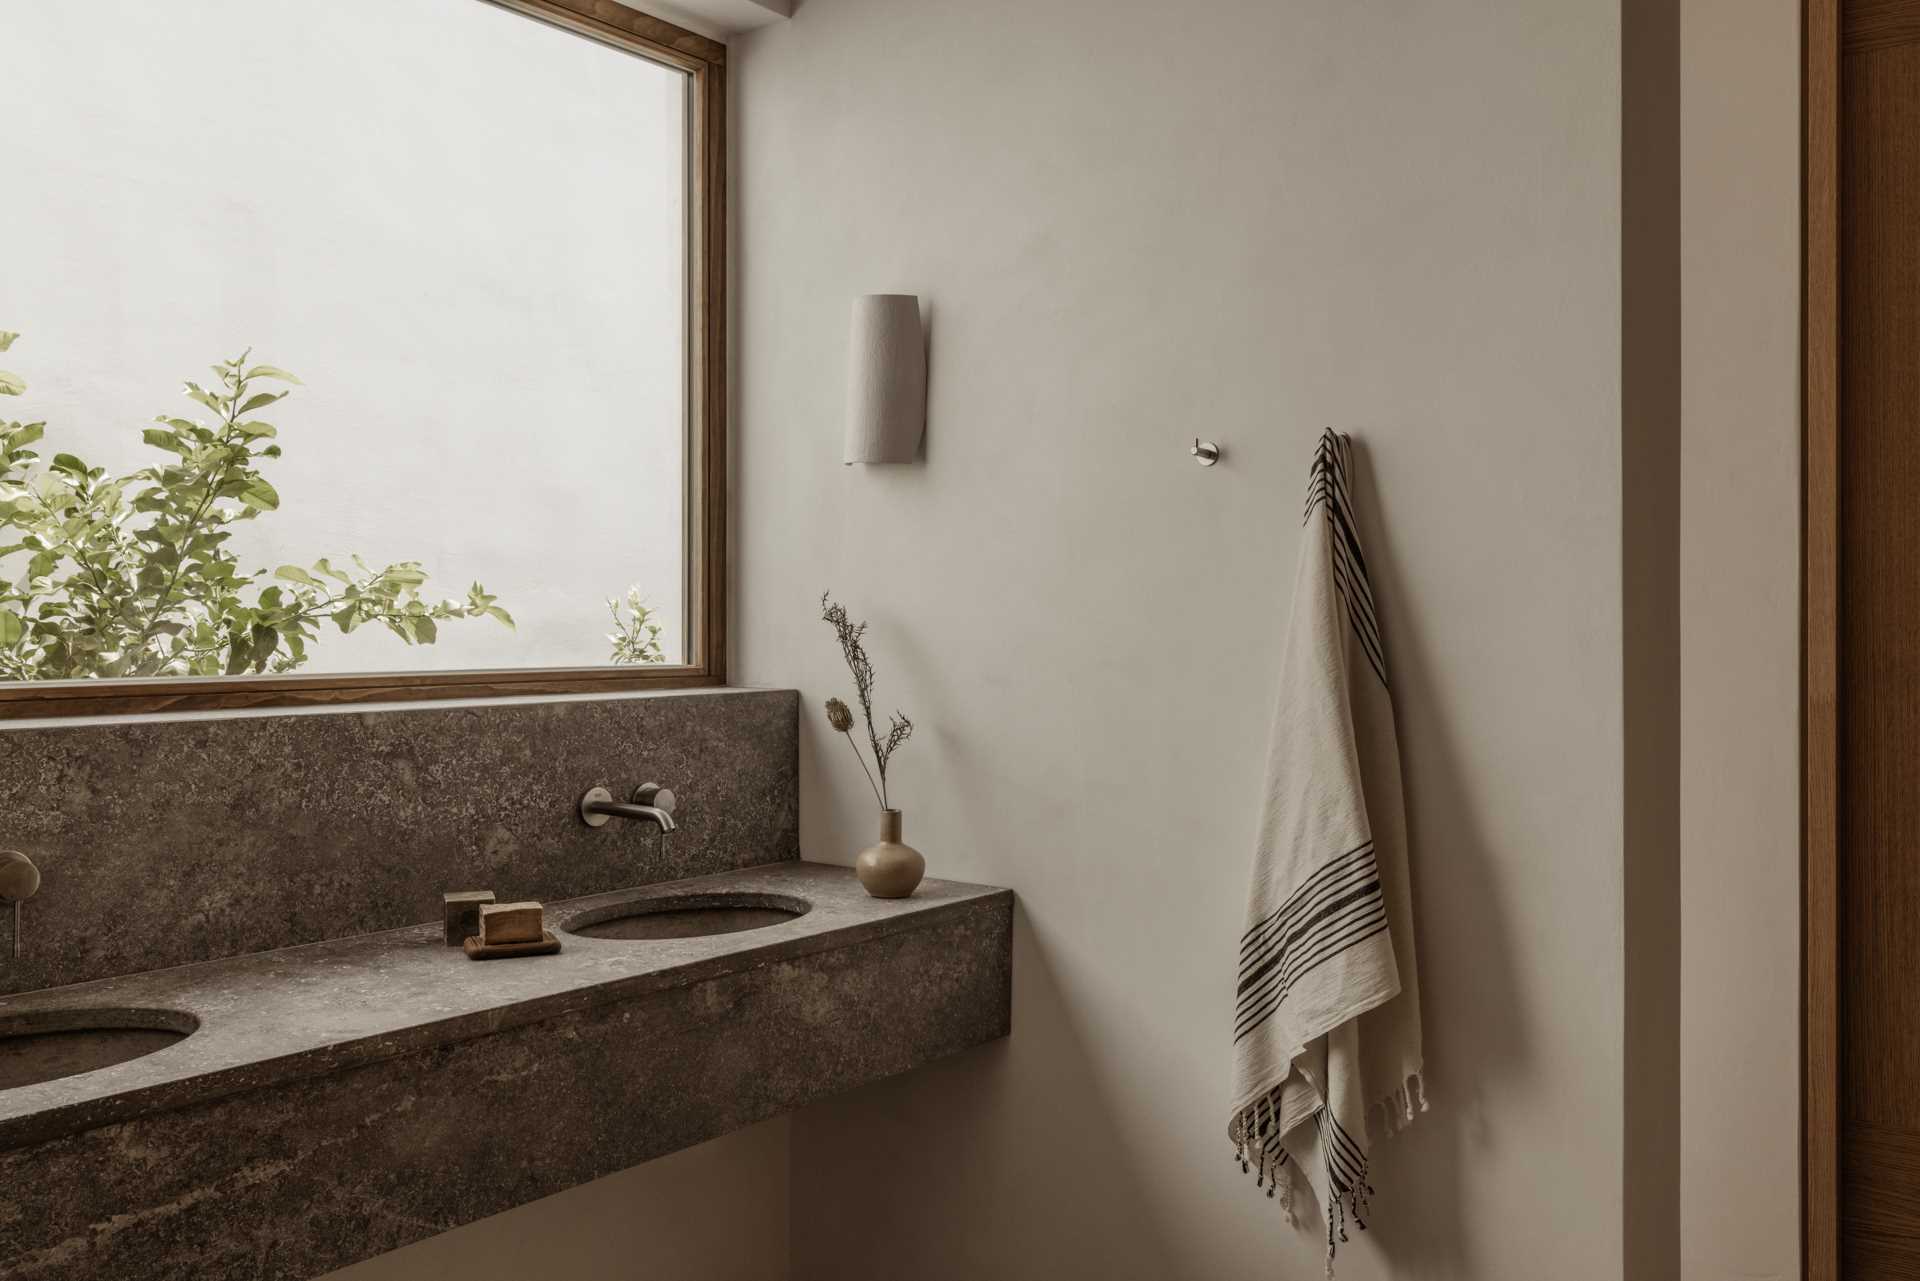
704, 62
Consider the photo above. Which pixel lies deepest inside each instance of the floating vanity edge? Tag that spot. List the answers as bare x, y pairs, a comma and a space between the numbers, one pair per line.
592, 1060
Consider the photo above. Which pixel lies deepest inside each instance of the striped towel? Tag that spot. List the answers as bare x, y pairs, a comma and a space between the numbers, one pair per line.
1327, 1028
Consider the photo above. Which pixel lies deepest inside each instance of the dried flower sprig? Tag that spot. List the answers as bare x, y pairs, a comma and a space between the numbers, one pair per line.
840, 716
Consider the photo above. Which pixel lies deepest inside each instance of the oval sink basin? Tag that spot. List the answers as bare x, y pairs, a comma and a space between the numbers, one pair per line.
60, 1043
685, 916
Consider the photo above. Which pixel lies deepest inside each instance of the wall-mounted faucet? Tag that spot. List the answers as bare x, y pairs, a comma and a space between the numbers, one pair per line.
19, 879
651, 803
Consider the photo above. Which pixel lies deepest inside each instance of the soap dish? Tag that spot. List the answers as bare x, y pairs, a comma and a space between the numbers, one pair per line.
478, 951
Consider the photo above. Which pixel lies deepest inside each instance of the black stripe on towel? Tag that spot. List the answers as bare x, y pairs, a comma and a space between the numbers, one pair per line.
1318, 921
1347, 1188
1338, 907
1360, 856
1266, 1004
1324, 917
1328, 492
1346, 1163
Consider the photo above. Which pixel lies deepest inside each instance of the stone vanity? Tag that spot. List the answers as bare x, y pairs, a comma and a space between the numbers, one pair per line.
352, 1091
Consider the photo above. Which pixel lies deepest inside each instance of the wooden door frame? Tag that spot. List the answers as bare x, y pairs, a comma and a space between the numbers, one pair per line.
1820, 641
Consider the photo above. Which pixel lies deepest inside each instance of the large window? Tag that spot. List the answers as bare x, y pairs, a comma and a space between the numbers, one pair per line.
359, 350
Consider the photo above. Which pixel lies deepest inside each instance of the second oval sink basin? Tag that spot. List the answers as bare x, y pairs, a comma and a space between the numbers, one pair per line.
61, 1043
685, 916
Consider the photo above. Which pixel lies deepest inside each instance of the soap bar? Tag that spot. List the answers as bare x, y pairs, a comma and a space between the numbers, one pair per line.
510, 923
463, 914
478, 951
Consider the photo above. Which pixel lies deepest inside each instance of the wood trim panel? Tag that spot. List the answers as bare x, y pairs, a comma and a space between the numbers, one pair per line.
704, 61
1878, 24
182, 694
1820, 612
707, 507
1881, 1189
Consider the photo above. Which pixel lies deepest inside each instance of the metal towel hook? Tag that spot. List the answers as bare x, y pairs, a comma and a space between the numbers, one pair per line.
1205, 452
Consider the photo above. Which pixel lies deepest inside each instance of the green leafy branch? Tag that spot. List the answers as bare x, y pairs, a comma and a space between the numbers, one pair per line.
635, 637
132, 575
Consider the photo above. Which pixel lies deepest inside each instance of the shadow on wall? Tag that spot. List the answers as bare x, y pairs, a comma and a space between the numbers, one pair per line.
1060, 1155
1473, 1019
980, 1131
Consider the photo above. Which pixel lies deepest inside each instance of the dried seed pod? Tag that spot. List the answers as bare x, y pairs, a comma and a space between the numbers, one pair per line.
839, 715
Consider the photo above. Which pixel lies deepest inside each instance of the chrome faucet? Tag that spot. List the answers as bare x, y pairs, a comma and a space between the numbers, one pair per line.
651, 803
19, 879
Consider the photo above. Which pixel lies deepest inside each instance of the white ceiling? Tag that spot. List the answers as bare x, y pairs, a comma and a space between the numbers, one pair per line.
719, 18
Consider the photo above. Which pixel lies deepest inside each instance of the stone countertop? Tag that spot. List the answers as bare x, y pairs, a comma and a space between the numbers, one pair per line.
273, 1017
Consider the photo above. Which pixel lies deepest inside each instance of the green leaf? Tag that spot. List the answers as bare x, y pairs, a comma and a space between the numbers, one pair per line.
11, 628
163, 440
426, 630
260, 401
256, 430
11, 384
264, 371
237, 655
259, 495
295, 574
495, 611
6, 338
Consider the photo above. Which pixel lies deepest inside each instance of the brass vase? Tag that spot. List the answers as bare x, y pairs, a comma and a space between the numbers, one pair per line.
890, 869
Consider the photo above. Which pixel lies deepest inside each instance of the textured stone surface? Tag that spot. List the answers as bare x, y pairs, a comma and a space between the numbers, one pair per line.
272, 1018
593, 1060
168, 842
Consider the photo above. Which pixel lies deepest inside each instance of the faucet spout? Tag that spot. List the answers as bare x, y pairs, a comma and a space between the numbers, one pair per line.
620, 809
651, 804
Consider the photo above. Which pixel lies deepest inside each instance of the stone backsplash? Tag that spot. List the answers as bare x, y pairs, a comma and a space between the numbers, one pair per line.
163, 842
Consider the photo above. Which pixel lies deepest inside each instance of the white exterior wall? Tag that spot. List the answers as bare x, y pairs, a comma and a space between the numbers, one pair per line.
462, 228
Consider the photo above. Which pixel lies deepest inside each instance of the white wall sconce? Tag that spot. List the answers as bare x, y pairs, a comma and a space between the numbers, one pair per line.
886, 380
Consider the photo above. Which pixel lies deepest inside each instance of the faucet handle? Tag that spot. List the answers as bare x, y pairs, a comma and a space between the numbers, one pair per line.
19, 878
589, 813
19, 881
661, 798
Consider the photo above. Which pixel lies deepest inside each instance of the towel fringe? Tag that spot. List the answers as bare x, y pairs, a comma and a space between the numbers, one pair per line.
1396, 1113
1397, 1109
1255, 1135
1357, 1201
